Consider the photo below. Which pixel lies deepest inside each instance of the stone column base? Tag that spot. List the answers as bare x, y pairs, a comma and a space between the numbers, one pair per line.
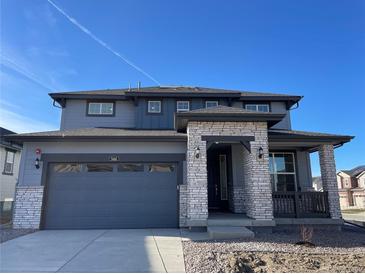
28, 207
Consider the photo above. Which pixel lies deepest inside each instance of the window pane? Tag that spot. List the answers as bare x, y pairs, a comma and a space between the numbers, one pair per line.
286, 182
251, 107
263, 108
8, 168
183, 106
94, 108
284, 162
161, 168
10, 157
64, 168
99, 167
154, 106
210, 104
126, 167
107, 108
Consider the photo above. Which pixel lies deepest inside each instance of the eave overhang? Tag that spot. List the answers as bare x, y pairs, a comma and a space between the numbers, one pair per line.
21, 138
305, 141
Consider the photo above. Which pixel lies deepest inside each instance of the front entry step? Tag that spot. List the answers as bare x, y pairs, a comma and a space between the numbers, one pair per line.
229, 232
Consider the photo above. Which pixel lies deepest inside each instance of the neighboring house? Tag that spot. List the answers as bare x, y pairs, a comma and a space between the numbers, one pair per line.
351, 185
174, 156
9, 163
317, 183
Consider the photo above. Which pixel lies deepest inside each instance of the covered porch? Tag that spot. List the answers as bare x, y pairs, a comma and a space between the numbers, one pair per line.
241, 171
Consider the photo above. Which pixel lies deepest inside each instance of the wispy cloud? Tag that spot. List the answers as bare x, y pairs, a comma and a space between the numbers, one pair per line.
21, 69
102, 43
20, 123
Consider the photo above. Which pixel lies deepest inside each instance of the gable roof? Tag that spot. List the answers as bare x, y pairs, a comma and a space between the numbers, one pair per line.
355, 171
174, 91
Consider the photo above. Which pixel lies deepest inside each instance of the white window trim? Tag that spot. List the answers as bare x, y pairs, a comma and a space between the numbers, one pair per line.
208, 102
257, 107
148, 107
100, 108
284, 173
181, 109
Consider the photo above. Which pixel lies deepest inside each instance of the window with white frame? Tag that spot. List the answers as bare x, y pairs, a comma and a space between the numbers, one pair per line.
154, 106
100, 108
9, 162
182, 106
282, 171
210, 104
258, 107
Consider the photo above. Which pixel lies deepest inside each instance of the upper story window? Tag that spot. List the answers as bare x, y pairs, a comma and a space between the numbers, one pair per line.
258, 107
282, 171
9, 162
182, 106
154, 106
210, 104
100, 108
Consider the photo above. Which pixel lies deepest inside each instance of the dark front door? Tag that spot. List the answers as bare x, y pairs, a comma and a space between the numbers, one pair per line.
219, 163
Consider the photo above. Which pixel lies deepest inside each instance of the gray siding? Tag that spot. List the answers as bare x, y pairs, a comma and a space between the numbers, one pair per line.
280, 107
8, 182
29, 175
165, 119
74, 116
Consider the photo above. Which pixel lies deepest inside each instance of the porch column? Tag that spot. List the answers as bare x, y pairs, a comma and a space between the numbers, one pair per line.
257, 185
329, 179
197, 178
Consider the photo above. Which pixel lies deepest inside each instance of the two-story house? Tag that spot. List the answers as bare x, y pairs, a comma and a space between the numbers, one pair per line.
351, 185
174, 156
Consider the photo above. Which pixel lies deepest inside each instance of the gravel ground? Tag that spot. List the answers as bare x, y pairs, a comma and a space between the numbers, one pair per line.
7, 233
227, 256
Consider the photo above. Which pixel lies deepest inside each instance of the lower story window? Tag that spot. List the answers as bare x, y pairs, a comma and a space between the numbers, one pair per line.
282, 171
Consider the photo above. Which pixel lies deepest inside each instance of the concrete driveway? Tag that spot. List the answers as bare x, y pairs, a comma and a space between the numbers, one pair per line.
124, 250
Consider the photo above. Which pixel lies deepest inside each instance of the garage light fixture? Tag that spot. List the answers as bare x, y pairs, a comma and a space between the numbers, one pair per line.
197, 152
260, 152
36, 164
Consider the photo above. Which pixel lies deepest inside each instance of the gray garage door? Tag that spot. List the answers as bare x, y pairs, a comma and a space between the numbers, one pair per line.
104, 195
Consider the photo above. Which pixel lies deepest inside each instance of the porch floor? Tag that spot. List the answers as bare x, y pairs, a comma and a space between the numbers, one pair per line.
235, 219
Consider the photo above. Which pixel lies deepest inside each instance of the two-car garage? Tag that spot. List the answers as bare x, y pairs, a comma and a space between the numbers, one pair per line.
82, 195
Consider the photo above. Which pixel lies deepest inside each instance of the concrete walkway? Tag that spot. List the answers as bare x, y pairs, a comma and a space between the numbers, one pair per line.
124, 250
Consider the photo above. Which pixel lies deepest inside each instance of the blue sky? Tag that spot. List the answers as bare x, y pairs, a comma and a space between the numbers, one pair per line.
310, 48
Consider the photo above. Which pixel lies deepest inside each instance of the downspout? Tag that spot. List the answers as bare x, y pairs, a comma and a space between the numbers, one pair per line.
296, 106
54, 104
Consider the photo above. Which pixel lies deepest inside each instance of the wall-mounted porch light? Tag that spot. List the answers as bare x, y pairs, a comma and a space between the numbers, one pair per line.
197, 152
36, 163
260, 152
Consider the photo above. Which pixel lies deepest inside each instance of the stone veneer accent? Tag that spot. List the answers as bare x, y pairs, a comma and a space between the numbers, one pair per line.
257, 187
236, 201
329, 179
183, 205
28, 207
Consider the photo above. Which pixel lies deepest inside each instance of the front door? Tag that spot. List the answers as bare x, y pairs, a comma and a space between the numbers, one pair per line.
218, 177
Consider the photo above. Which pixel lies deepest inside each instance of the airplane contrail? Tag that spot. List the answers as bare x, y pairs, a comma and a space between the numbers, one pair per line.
101, 42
